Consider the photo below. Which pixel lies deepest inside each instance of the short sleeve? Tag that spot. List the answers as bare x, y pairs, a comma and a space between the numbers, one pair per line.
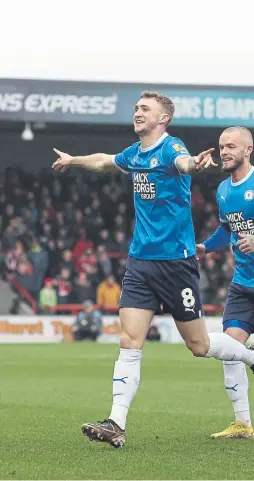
176, 148
173, 149
120, 161
123, 159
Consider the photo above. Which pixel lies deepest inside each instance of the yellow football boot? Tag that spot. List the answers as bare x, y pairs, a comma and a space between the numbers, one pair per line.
235, 430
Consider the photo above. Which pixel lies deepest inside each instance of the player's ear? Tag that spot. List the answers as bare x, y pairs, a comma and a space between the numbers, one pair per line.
164, 119
249, 149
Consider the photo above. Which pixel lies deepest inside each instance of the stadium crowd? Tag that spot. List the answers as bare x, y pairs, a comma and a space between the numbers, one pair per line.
65, 238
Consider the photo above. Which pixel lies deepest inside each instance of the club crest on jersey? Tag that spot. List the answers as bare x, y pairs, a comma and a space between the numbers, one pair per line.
153, 162
249, 195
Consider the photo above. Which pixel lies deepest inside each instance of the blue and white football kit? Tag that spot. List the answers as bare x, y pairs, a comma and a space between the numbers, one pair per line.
236, 208
161, 267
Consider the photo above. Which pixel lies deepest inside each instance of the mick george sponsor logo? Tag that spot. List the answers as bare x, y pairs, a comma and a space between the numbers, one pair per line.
141, 186
72, 104
238, 224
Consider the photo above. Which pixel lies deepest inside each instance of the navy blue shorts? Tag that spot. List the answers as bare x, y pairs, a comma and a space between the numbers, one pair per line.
239, 308
172, 284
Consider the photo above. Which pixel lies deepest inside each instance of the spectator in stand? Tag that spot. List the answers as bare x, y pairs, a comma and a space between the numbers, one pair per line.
65, 239
59, 221
46, 234
19, 200
108, 293
120, 222
83, 289
88, 221
64, 287
67, 262
97, 225
48, 297
92, 274
47, 205
122, 209
78, 221
39, 258
53, 260
31, 205
75, 199
9, 238
69, 212
122, 245
104, 262
96, 206
76, 214
104, 239
43, 218
57, 192
10, 261
29, 220
8, 214
19, 227
81, 244
25, 277
87, 258
120, 270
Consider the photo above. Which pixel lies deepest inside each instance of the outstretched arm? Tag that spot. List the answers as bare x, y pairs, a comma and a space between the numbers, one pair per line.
96, 162
187, 164
219, 240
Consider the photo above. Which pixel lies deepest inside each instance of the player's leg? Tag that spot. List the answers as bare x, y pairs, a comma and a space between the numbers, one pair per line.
134, 326
237, 323
187, 311
236, 384
137, 307
218, 345
236, 380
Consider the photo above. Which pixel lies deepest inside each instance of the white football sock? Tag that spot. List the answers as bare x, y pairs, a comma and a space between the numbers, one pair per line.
237, 385
225, 348
125, 384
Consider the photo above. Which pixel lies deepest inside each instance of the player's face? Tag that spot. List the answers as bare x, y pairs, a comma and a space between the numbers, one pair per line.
233, 151
147, 115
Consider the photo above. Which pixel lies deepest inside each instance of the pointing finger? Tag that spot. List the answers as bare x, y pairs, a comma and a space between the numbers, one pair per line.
58, 152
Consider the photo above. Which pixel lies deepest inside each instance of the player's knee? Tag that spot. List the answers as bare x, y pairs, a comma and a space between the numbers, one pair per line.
198, 348
128, 341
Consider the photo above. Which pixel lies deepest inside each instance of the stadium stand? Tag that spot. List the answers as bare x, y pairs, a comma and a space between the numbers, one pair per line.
65, 239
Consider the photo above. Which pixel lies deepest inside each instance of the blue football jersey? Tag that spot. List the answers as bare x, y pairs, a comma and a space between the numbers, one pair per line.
162, 200
236, 208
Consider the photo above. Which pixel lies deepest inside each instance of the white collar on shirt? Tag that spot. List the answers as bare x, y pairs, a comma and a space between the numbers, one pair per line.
155, 143
234, 184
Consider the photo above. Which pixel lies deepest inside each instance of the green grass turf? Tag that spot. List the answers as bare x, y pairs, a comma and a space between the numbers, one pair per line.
48, 391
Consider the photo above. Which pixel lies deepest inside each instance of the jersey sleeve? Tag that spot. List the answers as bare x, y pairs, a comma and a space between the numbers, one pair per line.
122, 159
174, 149
219, 197
219, 240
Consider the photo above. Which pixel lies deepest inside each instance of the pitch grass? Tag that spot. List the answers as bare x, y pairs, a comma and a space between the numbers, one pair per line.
48, 391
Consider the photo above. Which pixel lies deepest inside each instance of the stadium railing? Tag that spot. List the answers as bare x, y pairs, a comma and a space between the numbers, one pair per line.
23, 293
75, 308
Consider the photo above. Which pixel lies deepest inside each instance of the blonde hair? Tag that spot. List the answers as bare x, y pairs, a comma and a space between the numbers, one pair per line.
163, 100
